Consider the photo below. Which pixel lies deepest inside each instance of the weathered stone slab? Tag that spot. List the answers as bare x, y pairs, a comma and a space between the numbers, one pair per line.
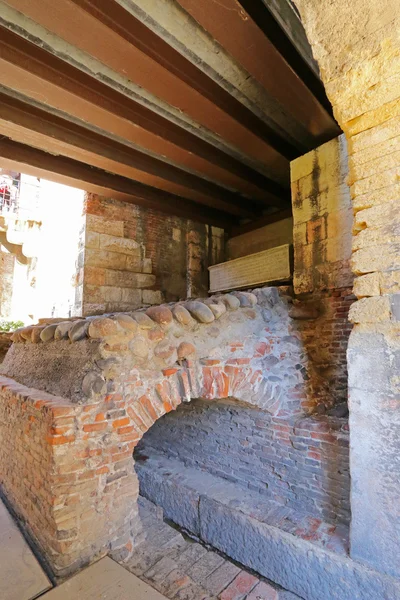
254, 269
183, 511
308, 571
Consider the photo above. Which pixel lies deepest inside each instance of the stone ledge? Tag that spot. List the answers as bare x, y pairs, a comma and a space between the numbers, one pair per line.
297, 565
101, 327
178, 489
213, 511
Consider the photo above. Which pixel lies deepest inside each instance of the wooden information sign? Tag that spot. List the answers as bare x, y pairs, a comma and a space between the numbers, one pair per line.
255, 269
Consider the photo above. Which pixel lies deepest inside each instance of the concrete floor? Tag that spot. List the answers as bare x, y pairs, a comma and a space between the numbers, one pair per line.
21, 576
104, 580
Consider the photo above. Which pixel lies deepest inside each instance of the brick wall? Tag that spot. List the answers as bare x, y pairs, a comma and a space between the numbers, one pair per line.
121, 373
301, 463
325, 342
75, 493
132, 256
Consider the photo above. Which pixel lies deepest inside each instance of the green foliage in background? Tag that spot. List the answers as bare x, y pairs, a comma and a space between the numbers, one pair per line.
6, 326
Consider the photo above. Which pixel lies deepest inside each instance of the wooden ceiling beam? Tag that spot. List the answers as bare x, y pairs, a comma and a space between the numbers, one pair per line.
116, 18
269, 25
247, 30
152, 130
80, 175
73, 135
112, 35
53, 146
138, 35
261, 222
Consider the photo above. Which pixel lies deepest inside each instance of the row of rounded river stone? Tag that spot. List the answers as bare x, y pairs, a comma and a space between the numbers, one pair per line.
201, 311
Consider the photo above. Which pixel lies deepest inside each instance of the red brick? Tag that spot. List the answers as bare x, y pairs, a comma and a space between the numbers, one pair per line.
169, 372
59, 430
263, 591
102, 470
240, 586
222, 383
60, 439
94, 427
184, 379
136, 419
238, 361
167, 407
121, 422
124, 430
208, 382
148, 407
62, 411
262, 348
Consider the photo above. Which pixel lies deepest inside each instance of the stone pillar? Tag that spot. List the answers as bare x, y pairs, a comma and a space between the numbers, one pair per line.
114, 271
357, 46
323, 218
131, 256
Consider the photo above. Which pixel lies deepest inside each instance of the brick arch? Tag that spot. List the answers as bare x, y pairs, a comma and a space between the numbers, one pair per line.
125, 371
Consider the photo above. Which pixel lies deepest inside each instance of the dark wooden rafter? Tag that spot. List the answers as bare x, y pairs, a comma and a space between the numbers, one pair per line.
82, 30
270, 26
174, 139
138, 193
127, 26
243, 29
261, 222
36, 119
28, 56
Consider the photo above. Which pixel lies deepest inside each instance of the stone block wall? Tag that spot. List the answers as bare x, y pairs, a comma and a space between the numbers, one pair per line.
301, 463
131, 256
323, 218
357, 46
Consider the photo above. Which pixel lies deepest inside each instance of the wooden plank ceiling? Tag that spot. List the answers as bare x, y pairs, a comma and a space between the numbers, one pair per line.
192, 107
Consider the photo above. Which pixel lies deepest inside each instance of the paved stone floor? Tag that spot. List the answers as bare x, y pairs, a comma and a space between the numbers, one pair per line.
183, 569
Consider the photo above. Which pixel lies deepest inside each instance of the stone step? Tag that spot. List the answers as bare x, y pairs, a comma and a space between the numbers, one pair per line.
183, 569
178, 489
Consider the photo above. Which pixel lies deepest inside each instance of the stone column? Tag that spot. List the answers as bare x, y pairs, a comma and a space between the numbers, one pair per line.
357, 46
322, 278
